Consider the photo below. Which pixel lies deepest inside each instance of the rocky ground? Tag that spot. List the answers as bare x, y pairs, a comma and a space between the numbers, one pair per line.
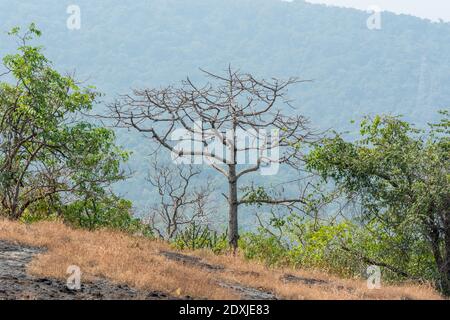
15, 283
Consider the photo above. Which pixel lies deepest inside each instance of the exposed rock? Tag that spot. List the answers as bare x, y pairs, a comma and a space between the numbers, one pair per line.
15, 283
307, 281
193, 261
249, 293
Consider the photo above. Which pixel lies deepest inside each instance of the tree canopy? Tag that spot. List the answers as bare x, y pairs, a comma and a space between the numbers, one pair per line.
401, 177
49, 153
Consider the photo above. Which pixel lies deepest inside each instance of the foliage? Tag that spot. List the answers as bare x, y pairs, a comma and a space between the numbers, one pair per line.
33, 217
301, 243
48, 152
109, 212
254, 195
264, 247
345, 249
201, 237
400, 175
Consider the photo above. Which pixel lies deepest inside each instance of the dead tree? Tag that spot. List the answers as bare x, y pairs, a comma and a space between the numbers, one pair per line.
179, 203
232, 118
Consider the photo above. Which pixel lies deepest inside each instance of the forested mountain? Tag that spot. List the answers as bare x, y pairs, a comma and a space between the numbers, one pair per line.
404, 68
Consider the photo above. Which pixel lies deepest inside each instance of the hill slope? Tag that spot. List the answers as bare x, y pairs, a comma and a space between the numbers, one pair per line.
113, 263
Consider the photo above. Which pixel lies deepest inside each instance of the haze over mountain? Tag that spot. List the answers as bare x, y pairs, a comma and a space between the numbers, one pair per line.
404, 68
434, 10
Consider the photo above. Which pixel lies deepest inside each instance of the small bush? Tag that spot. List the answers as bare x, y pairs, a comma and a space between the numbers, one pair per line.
300, 243
201, 237
111, 212
263, 247
33, 217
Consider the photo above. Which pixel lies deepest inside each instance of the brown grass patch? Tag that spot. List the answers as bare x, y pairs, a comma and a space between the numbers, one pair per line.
138, 262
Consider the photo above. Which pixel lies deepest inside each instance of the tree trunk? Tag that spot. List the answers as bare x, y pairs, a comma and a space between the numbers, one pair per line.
441, 260
445, 279
445, 275
233, 232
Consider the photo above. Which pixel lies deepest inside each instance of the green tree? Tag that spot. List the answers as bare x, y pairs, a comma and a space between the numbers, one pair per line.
401, 176
48, 153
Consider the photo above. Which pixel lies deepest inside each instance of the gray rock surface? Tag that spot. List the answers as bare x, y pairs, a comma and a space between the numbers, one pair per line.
15, 283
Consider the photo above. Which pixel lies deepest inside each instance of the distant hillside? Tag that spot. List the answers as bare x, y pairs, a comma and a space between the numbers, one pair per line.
404, 68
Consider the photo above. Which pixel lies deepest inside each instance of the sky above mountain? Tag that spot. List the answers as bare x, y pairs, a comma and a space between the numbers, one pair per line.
429, 9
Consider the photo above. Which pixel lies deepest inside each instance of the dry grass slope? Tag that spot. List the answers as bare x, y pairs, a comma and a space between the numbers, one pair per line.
154, 265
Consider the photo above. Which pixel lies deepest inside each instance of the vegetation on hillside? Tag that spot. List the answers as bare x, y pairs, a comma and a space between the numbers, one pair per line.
382, 199
149, 265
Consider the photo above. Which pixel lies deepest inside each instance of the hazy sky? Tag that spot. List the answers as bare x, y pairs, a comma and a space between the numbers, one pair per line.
431, 9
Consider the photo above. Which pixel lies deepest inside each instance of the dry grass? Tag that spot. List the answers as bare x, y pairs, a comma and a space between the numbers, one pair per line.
138, 262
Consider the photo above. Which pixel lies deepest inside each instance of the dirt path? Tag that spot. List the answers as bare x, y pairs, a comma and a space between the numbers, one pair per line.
15, 283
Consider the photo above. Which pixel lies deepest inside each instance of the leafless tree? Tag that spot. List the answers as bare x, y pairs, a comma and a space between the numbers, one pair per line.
233, 117
179, 203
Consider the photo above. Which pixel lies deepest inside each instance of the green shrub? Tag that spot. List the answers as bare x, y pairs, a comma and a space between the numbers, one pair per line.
263, 247
201, 237
110, 212
300, 243
345, 248
43, 210
33, 217
319, 246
